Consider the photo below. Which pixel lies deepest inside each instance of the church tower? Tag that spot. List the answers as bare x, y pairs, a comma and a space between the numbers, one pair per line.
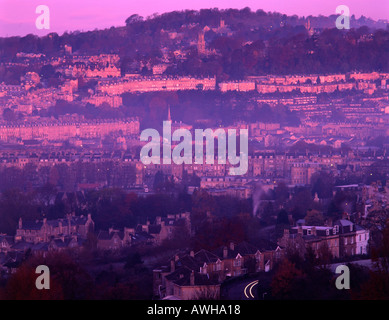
201, 43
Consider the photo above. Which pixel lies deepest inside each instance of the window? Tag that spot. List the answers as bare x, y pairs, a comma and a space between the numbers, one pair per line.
309, 232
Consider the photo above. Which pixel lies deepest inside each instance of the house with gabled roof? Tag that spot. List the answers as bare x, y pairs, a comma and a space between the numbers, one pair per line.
164, 228
46, 230
109, 240
6, 243
208, 269
343, 238
239, 259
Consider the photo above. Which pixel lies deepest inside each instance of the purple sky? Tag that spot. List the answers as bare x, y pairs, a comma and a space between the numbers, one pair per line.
17, 17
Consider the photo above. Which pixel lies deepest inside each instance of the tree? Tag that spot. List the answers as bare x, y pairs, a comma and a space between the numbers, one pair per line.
282, 222
14, 205
324, 254
21, 286
134, 18
133, 259
47, 71
314, 218
91, 241
377, 286
322, 184
282, 285
9, 115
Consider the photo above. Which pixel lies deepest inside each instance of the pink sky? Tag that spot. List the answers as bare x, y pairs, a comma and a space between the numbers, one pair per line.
17, 17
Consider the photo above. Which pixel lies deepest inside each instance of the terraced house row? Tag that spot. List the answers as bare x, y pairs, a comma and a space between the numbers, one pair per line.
61, 131
342, 239
195, 274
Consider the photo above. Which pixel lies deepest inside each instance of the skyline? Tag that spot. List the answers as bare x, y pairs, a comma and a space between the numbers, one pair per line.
101, 14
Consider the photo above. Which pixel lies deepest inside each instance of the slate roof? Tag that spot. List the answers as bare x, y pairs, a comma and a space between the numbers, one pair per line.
22, 245
42, 246
180, 272
199, 280
205, 256
189, 262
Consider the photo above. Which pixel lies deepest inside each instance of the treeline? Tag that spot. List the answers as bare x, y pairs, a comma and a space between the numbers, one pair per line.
67, 177
203, 108
256, 43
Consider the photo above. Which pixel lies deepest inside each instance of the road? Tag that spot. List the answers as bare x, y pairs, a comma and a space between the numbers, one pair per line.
248, 291
242, 290
365, 263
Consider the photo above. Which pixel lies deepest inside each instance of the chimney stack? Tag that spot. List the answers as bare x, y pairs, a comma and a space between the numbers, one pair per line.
192, 254
225, 252
172, 266
232, 246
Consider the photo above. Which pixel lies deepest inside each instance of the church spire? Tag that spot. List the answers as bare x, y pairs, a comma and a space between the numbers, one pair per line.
169, 118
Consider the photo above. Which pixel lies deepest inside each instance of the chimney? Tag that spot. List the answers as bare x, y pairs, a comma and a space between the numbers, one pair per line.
225, 252
192, 254
232, 246
172, 266
176, 257
300, 230
20, 223
192, 278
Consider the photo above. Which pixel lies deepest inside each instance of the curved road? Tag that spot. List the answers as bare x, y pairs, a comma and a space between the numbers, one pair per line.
243, 290
248, 291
